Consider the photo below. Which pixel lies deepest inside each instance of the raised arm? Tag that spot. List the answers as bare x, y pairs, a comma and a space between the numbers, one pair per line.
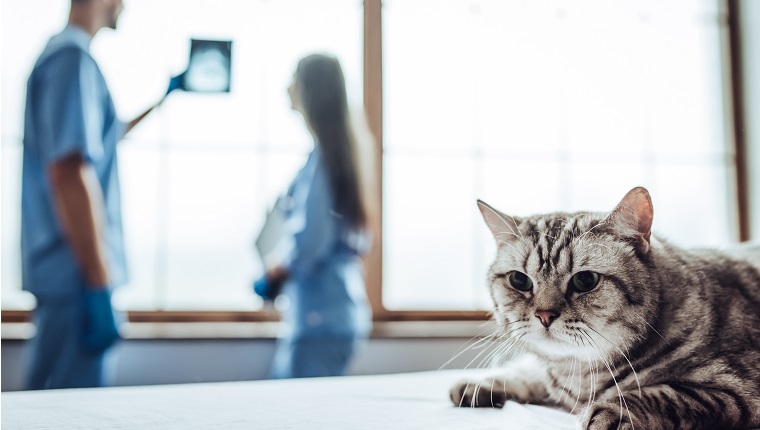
175, 83
132, 124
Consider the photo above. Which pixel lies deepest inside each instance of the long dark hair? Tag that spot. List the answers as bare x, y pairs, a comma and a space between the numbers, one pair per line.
322, 88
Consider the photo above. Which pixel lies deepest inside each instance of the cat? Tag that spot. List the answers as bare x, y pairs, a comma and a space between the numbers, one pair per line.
620, 327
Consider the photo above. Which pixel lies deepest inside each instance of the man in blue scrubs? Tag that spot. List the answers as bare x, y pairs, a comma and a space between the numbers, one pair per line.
71, 232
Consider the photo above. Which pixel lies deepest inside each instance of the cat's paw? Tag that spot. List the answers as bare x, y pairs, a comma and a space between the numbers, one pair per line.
606, 416
478, 394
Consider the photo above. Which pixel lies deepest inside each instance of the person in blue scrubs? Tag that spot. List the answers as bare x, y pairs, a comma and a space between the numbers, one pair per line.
328, 315
71, 230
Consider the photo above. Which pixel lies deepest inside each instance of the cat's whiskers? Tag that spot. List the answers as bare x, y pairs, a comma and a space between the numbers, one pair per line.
461, 401
512, 348
514, 322
655, 330
579, 380
635, 375
482, 343
503, 350
567, 379
580, 388
592, 379
621, 397
592, 385
591, 375
499, 344
601, 358
482, 340
493, 381
490, 358
504, 380
475, 394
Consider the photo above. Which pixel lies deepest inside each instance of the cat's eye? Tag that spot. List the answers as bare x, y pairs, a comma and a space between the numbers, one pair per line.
520, 281
584, 281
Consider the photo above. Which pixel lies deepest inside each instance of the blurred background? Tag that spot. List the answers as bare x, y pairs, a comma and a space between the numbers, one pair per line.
536, 106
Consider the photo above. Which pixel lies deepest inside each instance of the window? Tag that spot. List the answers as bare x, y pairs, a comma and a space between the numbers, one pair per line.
544, 106
197, 175
531, 106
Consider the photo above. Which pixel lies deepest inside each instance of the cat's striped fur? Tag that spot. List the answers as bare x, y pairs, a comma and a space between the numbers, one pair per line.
679, 330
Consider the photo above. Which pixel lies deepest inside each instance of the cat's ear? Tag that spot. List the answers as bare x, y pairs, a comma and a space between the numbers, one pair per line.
503, 227
632, 218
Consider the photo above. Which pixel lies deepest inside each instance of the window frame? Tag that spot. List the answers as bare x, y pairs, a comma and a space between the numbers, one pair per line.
373, 103
734, 118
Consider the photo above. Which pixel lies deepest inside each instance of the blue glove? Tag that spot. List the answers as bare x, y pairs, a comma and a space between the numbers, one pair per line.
263, 288
100, 331
176, 83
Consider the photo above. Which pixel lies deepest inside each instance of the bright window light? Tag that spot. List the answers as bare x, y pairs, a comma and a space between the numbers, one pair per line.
544, 106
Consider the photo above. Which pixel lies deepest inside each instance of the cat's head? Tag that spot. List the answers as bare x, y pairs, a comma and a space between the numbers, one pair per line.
575, 284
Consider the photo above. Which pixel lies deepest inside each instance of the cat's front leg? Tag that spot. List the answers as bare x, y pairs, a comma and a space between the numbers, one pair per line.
610, 415
672, 406
522, 381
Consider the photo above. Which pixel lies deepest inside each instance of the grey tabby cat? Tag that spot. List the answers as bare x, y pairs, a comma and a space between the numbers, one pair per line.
626, 330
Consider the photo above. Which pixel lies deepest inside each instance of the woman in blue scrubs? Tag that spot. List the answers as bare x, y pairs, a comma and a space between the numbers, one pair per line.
328, 314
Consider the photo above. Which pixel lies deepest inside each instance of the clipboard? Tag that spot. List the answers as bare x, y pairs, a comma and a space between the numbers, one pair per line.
274, 243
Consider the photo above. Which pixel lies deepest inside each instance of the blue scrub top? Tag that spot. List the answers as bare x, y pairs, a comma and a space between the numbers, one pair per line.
326, 284
68, 110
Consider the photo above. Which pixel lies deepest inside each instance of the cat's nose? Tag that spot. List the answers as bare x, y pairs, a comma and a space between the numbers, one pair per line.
547, 317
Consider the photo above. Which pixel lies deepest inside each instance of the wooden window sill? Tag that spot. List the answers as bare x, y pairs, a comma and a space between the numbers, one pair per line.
270, 329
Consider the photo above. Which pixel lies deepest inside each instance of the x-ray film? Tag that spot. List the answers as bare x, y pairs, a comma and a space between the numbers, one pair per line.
209, 68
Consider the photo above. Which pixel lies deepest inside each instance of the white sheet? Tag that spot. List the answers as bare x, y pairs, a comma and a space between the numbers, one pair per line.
383, 402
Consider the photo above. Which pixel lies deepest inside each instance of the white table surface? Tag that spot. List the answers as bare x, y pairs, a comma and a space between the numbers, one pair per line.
382, 402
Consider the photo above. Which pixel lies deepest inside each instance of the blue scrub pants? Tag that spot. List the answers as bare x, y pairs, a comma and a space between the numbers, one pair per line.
58, 359
307, 357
